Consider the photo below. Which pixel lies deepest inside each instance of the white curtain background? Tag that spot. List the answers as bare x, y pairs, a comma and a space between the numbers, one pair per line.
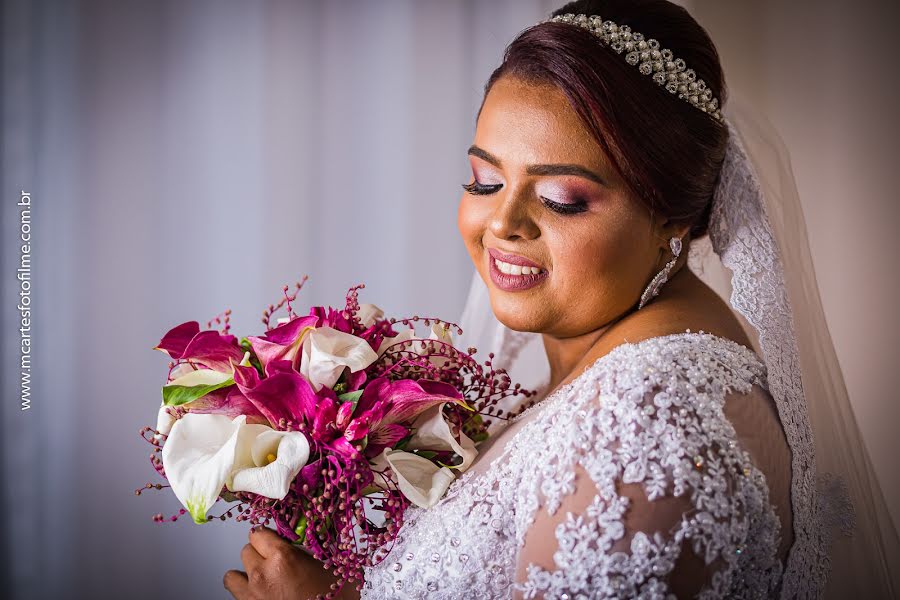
189, 156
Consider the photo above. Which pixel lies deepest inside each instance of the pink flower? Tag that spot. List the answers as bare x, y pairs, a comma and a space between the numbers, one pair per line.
385, 407
204, 382
209, 348
283, 394
284, 341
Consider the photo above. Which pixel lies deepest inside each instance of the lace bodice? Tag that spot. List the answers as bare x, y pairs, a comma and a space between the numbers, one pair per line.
563, 513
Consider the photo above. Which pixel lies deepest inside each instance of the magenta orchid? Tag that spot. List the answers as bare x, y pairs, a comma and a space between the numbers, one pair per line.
283, 342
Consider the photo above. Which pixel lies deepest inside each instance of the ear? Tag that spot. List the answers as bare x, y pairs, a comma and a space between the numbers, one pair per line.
666, 230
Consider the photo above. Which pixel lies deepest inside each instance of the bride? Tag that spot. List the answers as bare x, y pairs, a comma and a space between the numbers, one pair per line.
667, 456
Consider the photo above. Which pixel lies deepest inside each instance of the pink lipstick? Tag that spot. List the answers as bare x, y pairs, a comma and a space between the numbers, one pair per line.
513, 273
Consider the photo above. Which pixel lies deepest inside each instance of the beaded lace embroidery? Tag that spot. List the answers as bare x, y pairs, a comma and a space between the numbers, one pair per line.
650, 413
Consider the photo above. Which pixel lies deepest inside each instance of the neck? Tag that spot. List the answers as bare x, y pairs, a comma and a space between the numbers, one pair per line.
565, 354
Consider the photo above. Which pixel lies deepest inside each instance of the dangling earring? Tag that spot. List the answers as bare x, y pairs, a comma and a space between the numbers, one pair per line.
657, 282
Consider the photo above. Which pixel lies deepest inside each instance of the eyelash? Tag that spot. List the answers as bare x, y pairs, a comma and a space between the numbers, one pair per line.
477, 189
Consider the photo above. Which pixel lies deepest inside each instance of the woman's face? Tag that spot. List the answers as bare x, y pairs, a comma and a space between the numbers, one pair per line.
543, 194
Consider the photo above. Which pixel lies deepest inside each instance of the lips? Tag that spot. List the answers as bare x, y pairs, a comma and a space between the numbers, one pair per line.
512, 259
514, 282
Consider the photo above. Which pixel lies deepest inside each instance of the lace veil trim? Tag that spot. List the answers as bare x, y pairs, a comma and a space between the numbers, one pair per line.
742, 237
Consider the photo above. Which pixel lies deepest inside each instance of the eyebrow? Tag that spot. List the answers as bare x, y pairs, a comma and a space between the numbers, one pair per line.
548, 170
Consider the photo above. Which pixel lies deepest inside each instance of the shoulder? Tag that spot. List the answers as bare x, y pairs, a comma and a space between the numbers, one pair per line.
688, 305
668, 393
687, 361
690, 325
637, 462
647, 407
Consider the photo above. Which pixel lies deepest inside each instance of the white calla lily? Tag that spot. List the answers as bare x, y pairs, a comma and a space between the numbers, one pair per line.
201, 377
432, 432
190, 377
277, 458
441, 332
407, 334
327, 351
198, 458
181, 369
187, 376
368, 314
164, 421
438, 333
419, 479
205, 452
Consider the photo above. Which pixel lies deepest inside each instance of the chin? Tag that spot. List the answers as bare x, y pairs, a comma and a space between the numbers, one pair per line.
517, 314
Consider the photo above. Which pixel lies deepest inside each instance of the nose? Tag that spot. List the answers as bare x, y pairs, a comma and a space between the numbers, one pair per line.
512, 218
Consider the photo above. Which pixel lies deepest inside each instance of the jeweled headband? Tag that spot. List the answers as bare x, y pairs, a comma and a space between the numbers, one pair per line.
646, 54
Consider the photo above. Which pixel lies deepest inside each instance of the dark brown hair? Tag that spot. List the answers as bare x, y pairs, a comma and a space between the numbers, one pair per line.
668, 151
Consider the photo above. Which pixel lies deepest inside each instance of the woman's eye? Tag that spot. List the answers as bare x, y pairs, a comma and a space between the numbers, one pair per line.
478, 189
565, 209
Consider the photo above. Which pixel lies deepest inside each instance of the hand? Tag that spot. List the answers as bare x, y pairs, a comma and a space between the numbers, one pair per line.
277, 570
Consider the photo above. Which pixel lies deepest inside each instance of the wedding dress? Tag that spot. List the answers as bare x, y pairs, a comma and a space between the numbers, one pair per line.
649, 413
543, 512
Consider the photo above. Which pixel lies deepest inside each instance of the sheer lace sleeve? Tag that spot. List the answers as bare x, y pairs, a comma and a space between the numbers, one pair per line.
627, 482
642, 490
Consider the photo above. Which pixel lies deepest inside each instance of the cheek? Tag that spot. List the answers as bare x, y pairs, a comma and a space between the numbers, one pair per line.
471, 219
608, 252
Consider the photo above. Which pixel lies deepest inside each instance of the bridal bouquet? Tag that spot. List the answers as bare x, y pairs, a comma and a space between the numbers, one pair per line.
323, 416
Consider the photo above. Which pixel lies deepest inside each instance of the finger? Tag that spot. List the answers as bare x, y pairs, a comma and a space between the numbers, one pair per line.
236, 583
267, 542
251, 558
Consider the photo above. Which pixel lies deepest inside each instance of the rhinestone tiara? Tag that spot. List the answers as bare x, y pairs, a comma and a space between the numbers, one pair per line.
650, 60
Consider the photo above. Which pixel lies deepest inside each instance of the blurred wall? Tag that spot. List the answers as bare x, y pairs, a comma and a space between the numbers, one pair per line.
188, 156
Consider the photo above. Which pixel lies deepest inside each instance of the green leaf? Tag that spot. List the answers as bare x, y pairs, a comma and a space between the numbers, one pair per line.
479, 425
480, 437
254, 361
350, 396
400, 445
457, 461
300, 530
228, 496
176, 395
370, 489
